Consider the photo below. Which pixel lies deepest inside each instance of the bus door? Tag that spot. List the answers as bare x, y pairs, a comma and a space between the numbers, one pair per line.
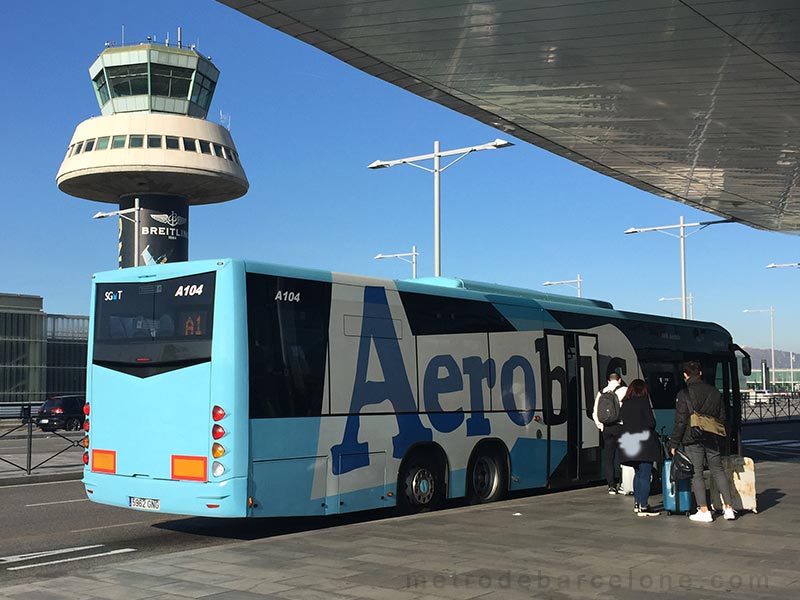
569, 378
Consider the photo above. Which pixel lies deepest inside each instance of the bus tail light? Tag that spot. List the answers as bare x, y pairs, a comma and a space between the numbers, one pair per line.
217, 469
86, 409
216, 432
86, 458
85, 442
217, 450
217, 413
86, 425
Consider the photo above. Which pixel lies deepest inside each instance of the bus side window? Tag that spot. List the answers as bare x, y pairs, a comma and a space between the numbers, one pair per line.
288, 340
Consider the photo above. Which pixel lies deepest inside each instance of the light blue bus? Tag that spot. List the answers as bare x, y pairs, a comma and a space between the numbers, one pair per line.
231, 388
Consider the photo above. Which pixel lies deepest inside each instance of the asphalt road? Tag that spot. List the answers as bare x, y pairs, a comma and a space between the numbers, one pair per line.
772, 441
51, 529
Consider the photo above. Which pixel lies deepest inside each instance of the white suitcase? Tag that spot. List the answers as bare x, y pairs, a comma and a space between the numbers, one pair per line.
741, 474
626, 487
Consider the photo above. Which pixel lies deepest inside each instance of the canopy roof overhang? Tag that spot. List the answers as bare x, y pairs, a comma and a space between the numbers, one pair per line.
693, 100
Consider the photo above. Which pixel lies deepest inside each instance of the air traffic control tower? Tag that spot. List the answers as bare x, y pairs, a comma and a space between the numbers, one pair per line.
152, 152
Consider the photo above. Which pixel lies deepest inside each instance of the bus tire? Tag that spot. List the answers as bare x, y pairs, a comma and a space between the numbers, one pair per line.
488, 478
423, 486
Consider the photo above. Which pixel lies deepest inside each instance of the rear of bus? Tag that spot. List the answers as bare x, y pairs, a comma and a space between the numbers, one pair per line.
166, 396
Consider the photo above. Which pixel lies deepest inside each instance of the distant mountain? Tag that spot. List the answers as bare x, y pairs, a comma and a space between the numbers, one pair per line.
781, 357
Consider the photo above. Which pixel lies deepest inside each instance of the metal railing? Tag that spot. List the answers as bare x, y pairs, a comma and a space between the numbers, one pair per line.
779, 406
16, 420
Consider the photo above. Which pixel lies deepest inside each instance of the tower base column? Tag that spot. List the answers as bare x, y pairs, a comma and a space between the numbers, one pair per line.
158, 231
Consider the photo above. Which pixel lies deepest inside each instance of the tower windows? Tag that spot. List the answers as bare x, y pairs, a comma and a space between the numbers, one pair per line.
169, 81
128, 80
151, 140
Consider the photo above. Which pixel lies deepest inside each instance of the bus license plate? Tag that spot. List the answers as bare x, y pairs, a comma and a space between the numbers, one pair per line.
145, 503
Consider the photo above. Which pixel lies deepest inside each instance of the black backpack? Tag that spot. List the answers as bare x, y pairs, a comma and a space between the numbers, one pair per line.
608, 407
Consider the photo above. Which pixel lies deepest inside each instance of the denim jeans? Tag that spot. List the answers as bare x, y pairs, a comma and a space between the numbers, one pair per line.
641, 482
709, 452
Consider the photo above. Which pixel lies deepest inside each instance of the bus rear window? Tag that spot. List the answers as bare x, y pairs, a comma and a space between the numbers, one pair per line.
144, 328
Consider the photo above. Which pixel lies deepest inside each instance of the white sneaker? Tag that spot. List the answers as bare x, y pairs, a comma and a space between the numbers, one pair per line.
729, 514
701, 517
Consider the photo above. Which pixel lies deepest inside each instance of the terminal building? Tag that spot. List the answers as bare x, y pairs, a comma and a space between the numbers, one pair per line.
41, 355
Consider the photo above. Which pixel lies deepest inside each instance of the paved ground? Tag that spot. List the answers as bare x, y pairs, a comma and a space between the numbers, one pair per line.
576, 544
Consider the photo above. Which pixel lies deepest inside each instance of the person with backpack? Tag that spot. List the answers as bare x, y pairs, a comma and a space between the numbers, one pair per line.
705, 399
639, 444
606, 417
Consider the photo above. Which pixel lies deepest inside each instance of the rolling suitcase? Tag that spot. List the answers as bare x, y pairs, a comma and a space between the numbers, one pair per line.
677, 494
741, 474
626, 487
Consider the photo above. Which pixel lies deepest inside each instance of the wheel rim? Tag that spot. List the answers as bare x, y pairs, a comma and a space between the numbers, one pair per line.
422, 487
485, 480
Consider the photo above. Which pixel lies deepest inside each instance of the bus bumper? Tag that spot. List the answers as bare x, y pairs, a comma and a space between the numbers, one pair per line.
202, 499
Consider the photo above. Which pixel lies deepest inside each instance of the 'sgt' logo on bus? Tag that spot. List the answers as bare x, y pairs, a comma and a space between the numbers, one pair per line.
112, 296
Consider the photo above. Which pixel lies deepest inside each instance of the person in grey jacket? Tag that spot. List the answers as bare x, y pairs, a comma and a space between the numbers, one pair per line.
704, 399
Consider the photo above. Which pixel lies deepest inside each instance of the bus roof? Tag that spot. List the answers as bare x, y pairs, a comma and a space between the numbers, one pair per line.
453, 286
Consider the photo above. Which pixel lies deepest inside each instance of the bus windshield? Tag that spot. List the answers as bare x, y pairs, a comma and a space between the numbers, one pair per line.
164, 323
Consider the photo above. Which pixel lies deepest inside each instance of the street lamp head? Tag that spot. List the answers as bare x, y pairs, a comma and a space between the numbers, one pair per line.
771, 266
498, 143
631, 230
548, 283
378, 164
377, 256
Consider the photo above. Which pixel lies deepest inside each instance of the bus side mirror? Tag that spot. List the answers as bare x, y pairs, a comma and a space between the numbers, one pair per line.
747, 366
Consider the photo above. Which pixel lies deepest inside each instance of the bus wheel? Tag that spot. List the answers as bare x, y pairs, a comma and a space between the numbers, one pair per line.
487, 478
422, 487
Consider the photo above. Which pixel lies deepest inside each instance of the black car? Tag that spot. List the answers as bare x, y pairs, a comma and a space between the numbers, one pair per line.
62, 412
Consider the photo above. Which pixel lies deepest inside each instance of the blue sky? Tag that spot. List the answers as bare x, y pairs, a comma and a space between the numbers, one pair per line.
306, 126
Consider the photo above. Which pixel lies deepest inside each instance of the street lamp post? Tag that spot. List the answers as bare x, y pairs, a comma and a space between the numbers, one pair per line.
682, 236
402, 256
437, 170
567, 282
771, 312
691, 304
123, 214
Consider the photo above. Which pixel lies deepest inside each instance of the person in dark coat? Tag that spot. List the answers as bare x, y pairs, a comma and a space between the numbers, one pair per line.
638, 443
705, 399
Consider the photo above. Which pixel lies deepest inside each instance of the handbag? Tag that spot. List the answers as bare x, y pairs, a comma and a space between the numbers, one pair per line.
681, 468
703, 425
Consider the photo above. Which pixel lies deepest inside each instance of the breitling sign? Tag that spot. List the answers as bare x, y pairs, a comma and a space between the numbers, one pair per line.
163, 228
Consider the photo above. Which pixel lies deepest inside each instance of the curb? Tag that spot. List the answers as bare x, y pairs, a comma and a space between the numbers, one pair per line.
40, 478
